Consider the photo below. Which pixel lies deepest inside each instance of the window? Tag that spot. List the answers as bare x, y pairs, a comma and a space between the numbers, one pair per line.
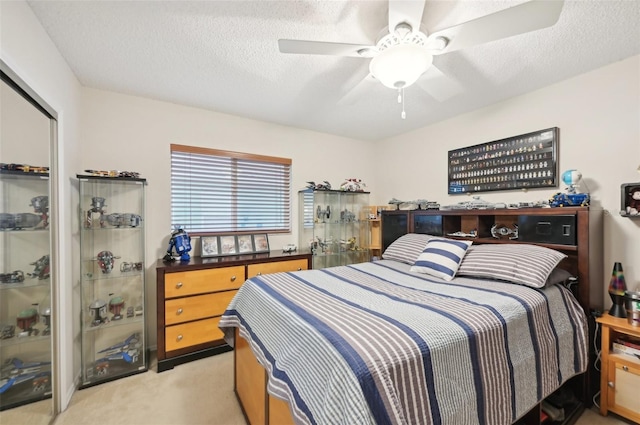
214, 191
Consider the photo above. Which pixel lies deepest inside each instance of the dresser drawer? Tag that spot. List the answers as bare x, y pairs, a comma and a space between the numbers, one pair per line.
276, 266
180, 284
192, 333
185, 309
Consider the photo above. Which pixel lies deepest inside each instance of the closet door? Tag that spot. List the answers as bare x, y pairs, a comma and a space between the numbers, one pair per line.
27, 136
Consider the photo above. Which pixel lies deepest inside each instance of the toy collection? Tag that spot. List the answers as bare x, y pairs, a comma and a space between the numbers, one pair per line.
31, 169
17, 276
15, 374
124, 219
114, 173
289, 248
323, 214
130, 267
127, 351
46, 319
40, 206
41, 269
26, 319
572, 198
181, 242
98, 312
421, 204
116, 304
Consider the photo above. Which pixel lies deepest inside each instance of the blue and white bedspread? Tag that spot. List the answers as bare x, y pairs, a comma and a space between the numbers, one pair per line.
375, 343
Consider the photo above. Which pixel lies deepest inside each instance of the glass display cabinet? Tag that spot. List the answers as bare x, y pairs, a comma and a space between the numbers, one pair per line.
25, 288
112, 278
335, 225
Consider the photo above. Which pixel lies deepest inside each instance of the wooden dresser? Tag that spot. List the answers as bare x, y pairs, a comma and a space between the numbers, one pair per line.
191, 297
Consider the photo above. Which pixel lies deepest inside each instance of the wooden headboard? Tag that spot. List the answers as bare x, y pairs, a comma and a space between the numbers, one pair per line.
575, 231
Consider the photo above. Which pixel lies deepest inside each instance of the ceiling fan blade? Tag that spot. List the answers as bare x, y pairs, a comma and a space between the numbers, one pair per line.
356, 92
325, 48
515, 20
409, 11
438, 85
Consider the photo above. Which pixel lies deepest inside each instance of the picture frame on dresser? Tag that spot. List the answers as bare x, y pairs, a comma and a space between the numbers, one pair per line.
261, 242
245, 244
209, 246
228, 245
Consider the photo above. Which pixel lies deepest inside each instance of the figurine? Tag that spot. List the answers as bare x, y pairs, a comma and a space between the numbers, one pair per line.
25, 321
325, 185
498, 231
127, 351
16, 276
181, 242
98, 312
18, 221
289, 248
7, 331
323, 214
106, 259
353, 185
41, 269
97, 207
46, 319
347, 216
116, 304
40, 206
125, 219
130, 267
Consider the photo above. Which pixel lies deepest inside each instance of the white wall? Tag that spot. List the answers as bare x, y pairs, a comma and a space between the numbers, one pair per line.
27, 49
598, 114
132, 133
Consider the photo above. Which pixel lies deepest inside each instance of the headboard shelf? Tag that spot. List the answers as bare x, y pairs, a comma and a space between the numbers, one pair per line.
576, 231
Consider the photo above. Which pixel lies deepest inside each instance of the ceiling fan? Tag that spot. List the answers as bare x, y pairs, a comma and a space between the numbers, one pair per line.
405, 54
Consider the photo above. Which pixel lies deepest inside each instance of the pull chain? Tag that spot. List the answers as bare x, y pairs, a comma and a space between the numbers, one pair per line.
403, 115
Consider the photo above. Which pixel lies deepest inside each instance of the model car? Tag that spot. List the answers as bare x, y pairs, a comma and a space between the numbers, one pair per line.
569, 200
289, 248
14, 372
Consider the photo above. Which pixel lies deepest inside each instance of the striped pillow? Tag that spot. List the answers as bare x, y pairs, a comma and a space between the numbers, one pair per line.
441, 257
528, 265
406, 248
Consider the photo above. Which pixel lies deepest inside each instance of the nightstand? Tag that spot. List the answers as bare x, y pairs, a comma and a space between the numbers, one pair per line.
620, 374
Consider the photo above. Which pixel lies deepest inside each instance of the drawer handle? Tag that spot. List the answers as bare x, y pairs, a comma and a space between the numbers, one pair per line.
259, 274
179, 285
299, 268
179, 338
611, 384
625, 368
233, 278
179, 312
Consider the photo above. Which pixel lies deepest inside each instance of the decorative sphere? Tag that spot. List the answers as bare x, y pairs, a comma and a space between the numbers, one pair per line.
570, 177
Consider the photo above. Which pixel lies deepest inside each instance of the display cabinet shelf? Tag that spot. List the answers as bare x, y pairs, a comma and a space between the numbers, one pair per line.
112, 278
25, 295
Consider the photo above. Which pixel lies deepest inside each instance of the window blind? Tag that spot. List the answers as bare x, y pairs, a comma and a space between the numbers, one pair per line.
214, 191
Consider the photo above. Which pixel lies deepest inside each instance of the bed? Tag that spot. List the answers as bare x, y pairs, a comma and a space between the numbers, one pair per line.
388, 343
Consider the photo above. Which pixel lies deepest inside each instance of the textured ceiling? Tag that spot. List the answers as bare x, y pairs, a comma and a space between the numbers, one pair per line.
223, 56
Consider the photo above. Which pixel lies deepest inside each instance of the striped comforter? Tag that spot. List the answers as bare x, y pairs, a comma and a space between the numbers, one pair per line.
375, 343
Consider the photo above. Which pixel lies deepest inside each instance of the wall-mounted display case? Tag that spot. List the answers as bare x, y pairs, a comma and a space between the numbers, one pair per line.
25, 289
335, 225
112, 278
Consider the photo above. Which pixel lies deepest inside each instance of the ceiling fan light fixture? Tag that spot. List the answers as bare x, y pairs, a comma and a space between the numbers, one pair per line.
401, 65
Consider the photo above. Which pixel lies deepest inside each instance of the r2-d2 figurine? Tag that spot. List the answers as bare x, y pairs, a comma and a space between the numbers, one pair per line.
181, 242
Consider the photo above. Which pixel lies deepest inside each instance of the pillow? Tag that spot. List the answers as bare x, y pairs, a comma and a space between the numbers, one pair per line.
528, 265
441, 257
557, 275
406, 248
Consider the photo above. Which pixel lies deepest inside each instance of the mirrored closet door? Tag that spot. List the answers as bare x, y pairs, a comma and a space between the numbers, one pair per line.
27, 310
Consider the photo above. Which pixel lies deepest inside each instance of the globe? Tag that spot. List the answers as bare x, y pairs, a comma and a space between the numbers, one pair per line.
571, 177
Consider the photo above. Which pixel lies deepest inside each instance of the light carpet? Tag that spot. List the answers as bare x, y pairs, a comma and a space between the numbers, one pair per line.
199, 392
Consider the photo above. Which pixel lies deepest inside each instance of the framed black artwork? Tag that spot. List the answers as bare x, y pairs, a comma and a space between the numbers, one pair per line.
527, 161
